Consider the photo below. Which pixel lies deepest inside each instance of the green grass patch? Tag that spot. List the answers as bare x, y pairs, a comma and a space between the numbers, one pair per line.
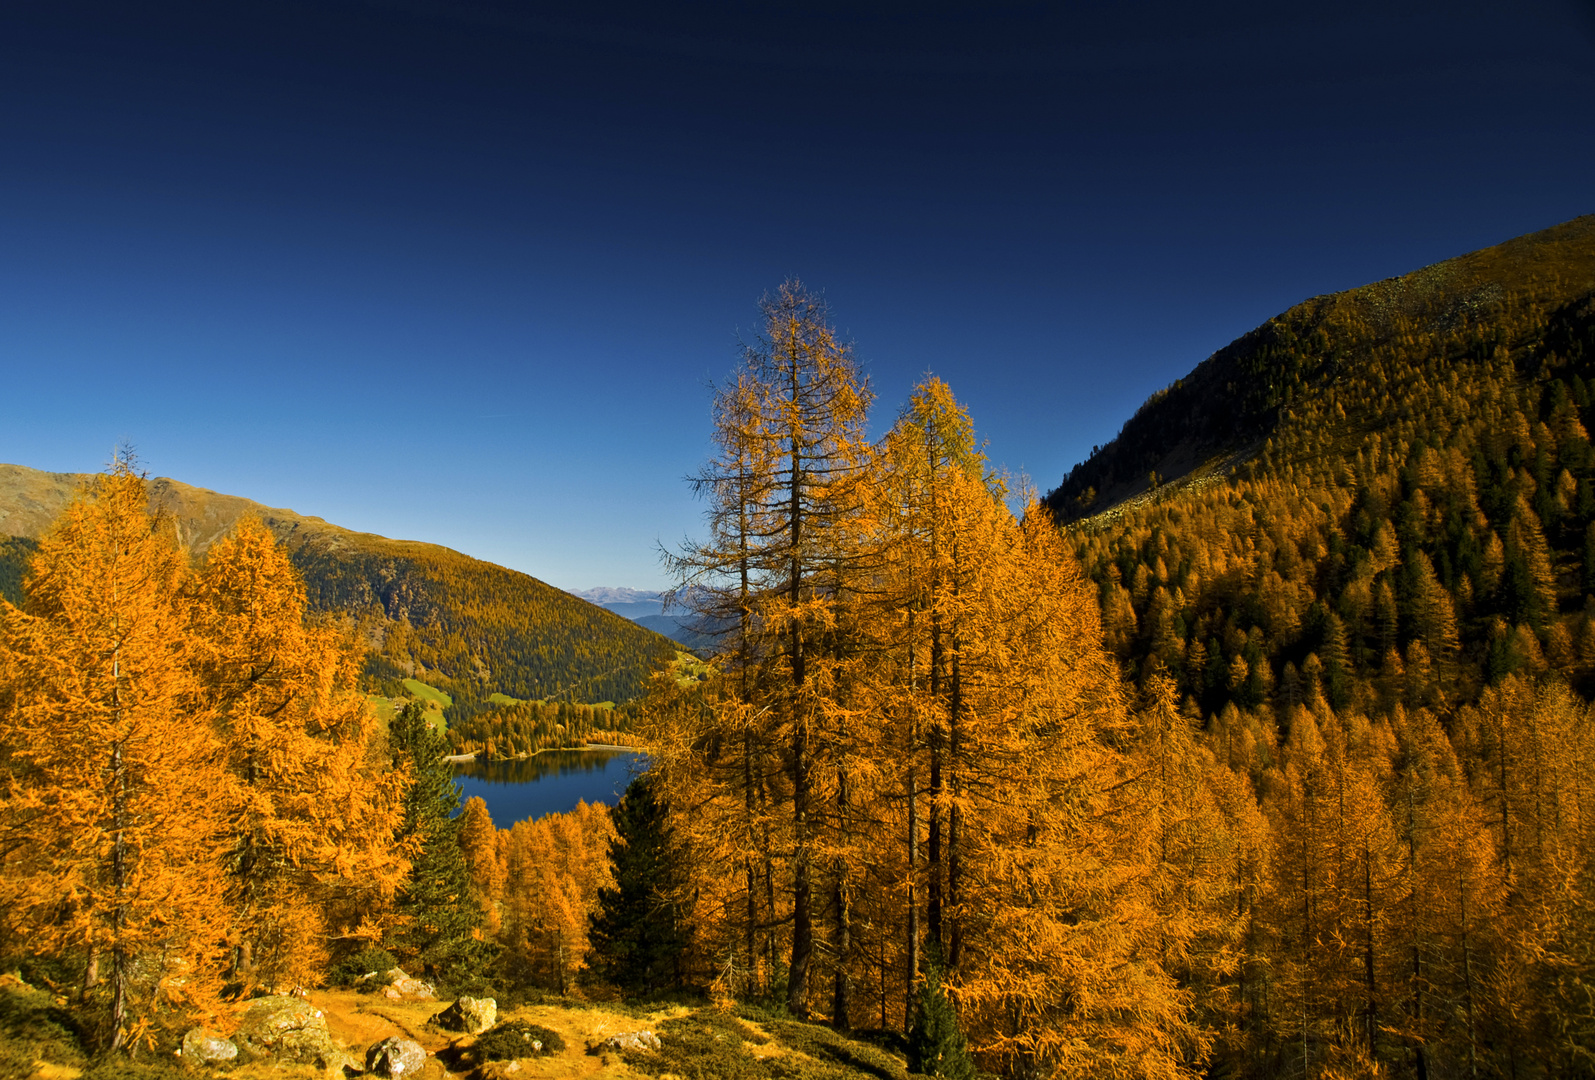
688, 668
382, 708
496, 698
421, 690
434, 700
33, 1029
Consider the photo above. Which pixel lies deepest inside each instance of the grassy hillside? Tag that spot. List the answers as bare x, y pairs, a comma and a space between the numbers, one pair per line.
1407, 462
467, 626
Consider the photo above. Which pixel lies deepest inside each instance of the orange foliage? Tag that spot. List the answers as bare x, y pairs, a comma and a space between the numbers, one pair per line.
553, 869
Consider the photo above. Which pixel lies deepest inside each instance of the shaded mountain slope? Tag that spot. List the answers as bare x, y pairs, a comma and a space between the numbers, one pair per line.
1407, 508
423, 608
1519, 295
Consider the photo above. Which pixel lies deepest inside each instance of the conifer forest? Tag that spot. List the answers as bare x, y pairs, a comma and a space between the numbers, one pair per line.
1260, 747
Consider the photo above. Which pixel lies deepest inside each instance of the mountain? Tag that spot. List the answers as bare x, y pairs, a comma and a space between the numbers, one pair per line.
467, 625
648, 609
607, 596
1404, 464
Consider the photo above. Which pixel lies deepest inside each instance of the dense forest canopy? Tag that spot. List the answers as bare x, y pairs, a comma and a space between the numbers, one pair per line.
1414, 518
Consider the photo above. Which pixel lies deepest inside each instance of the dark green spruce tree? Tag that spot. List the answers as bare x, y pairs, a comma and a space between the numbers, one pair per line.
638, 933
936, 1045
442, 933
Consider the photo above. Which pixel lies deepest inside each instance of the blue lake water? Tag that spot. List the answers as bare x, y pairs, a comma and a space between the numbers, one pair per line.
552, 782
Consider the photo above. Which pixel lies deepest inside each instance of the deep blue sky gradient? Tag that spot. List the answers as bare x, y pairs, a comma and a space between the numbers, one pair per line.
464, 272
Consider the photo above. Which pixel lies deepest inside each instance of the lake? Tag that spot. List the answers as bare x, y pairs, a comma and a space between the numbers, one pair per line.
548, 783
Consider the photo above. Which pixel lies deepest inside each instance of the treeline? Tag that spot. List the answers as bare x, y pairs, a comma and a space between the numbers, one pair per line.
1385, 623
1408, 544
506, 731
431, 612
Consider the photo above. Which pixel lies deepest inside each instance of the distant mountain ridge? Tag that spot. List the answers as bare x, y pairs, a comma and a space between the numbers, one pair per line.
605, 595
425, 609
646, 608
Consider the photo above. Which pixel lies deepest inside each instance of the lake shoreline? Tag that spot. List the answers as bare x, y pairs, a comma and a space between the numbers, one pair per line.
472, 756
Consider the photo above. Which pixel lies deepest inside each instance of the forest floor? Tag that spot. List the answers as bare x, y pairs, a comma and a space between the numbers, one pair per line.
697, 1043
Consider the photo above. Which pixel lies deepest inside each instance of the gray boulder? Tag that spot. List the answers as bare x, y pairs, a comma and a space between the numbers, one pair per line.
470, 1015
395, 1057
203, 1046
632, 1040
402, 987
288, 1029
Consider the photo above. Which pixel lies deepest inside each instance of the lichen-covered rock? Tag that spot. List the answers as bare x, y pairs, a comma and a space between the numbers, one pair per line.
395, 1058
470, 1015
631, 1040
286, 1028
402, 987
201, 1046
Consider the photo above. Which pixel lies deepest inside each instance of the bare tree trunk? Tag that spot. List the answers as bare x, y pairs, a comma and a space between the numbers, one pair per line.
842, 945
912, 972
120, 961
954, 866
1372, 1018
91, 973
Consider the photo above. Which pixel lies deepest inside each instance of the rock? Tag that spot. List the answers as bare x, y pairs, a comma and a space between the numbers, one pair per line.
497, 1070
403, 988
286, 1028
341, 1062
201, 1046
470, 1015
395, 1057
631, 1040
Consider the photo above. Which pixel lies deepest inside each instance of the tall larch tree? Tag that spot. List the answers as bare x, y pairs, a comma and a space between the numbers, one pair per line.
311, 814
1052, 908
911, 626
797, 420
109, 763
720, 584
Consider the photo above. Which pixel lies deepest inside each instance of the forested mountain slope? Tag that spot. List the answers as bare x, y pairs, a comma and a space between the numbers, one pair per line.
1374, 589
478, 627
1404, 508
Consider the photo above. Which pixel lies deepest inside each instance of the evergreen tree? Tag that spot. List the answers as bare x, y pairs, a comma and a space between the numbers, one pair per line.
936, 1045
442, 921
637, 934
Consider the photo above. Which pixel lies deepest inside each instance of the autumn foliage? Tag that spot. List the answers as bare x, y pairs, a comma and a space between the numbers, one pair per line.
186, 794
1325, 813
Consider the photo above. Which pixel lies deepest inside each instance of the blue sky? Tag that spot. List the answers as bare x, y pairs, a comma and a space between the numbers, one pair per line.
465, 272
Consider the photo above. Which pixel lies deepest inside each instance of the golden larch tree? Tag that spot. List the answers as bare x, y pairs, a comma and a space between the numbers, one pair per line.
110, 766
310, 813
